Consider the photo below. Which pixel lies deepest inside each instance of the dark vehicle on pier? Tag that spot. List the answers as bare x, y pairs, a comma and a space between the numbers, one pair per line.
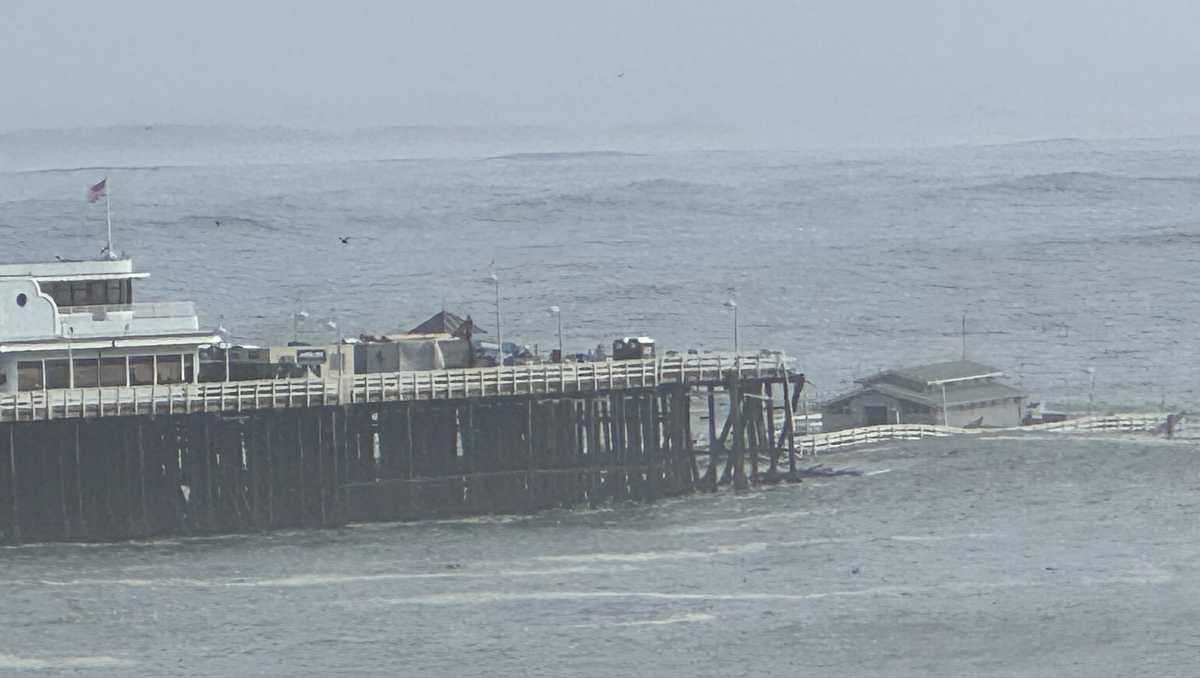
633, 348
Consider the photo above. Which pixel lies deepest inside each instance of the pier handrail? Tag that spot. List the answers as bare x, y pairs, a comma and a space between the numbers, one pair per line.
458, 383
551, 378
1119, 423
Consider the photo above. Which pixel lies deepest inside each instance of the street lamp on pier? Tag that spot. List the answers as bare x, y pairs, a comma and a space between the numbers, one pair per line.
731, 303
499, 334
557, 312
297, 318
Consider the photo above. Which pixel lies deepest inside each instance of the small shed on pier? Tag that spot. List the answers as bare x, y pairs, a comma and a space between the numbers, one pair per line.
956, 393
443, 341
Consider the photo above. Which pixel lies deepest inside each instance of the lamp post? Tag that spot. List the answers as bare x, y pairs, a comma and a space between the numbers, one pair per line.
732, 304
224, 345
499, 334
296, 318
331, 323
1091, 391
557, 312
70, 358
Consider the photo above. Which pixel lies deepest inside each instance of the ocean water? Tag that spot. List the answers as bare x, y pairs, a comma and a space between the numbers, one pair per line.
948, 558
1065, 255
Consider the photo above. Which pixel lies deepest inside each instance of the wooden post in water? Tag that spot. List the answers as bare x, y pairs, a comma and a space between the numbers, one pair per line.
739, 468
143, 513
790, 429
773, 471
531, 462
79, 482
753, 420
14, 516
320, 457
710, 474
335, 452
61, 450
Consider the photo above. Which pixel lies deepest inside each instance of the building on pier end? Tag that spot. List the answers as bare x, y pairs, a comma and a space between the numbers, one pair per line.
74, 324
956, 393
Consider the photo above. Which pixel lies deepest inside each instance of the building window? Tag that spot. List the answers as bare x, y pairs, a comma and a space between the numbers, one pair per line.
96, 292
57, 374
112, 372
29, 375
170, 369
87, 373
114, 292
79, 294
141, 370
60, 292
188, 368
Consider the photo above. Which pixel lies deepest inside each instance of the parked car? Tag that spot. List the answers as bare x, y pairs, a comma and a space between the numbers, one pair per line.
633, 348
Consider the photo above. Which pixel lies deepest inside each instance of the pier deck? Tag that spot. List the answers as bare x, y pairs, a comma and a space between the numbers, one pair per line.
451, 384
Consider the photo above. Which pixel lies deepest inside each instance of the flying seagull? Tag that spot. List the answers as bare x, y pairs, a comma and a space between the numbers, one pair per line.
344, 239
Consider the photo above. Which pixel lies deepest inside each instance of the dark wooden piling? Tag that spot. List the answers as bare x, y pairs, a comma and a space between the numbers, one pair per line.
134, 475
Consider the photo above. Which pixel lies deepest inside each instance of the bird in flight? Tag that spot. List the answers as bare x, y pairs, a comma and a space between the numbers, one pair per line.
217, 222
621, 74
344, 239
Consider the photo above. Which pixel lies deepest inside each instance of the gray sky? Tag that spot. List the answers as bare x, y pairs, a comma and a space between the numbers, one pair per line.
833, 72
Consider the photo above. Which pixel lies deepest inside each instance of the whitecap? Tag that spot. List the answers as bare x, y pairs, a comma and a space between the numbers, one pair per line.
16, 663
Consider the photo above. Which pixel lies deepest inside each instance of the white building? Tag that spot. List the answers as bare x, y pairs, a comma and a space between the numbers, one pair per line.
74, 324
957, 393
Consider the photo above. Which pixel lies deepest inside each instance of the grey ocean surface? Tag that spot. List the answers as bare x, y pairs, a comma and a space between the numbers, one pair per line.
1003, 556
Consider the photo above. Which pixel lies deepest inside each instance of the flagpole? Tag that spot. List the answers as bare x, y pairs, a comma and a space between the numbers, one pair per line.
108, 219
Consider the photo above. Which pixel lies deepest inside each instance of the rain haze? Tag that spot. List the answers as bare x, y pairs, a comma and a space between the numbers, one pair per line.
599, 339
812, 74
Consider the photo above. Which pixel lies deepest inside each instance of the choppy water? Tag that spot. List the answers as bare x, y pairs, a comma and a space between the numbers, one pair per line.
1033, 557
1066, 254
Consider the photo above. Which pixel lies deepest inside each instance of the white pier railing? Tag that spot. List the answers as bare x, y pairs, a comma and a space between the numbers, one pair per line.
238, 396
565, 378
866, 435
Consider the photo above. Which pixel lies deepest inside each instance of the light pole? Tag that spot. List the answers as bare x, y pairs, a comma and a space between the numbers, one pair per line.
964, 335
332, 324
499, 334
732, 304
1092, 391
224, 345
296, 318
557, 312
70, 358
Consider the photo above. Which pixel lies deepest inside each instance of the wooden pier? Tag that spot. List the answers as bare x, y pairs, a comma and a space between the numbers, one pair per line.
118, 463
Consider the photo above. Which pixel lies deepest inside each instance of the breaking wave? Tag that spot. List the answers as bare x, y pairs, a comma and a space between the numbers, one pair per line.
17, 663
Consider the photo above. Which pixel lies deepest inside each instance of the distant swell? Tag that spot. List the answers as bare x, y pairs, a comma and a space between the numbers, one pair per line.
1055, 182
565, 155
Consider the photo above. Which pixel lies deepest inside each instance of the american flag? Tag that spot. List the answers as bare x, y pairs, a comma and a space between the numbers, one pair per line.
98, 191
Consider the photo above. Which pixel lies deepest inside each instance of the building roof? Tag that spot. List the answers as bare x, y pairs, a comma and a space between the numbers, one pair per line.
937, 373
969, 394
444, 322
94, 269
957, 394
